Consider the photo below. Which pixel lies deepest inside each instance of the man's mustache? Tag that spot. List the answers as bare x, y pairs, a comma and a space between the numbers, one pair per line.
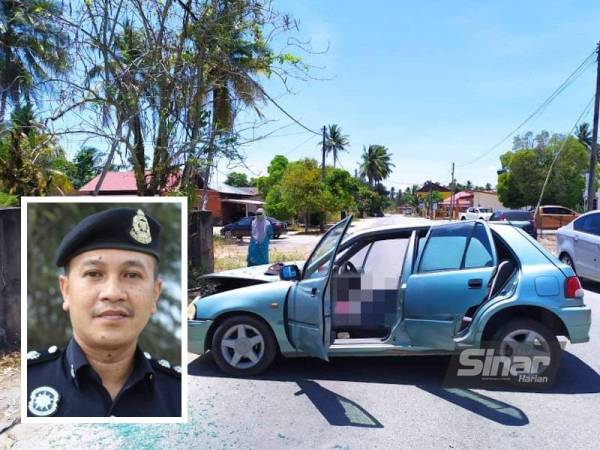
100, 311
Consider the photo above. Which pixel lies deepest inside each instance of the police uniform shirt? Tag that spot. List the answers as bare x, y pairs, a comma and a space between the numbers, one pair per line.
64, 384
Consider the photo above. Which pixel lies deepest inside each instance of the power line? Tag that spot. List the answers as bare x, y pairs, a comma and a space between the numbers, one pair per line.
587, 62
584, 112
298, 146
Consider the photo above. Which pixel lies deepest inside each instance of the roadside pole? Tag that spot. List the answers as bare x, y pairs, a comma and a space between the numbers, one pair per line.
591, 193
323, 150
452, 200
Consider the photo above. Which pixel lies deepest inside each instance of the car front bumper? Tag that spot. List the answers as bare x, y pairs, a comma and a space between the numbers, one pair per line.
578, 320
197, 331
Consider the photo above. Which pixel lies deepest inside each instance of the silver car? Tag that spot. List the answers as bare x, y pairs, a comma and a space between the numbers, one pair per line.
578, 245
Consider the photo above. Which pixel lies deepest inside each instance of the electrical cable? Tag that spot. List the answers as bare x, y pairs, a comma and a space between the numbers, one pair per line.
585, 111
586, 64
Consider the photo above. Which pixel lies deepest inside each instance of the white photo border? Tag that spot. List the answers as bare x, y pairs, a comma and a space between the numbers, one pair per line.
109, 199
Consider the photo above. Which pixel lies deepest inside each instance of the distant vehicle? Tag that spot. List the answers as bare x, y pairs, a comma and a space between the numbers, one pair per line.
552, 217
474, 213
243, 227
578, 245
521, 219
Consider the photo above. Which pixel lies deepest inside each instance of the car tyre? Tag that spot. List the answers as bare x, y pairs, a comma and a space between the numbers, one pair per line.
243, 346
228, 234
520, 330
276, 236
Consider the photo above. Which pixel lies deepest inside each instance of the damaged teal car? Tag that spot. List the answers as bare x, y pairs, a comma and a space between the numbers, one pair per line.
392, 291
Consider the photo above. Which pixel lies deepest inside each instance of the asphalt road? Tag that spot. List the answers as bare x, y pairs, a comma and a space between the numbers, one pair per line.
371, 403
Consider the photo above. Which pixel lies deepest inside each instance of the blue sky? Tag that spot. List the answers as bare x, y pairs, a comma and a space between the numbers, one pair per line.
435, 81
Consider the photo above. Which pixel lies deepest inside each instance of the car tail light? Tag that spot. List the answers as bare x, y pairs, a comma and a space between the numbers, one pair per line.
573, 288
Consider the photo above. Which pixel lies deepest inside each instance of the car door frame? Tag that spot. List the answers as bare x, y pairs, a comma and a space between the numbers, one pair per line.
437, 331
311, 335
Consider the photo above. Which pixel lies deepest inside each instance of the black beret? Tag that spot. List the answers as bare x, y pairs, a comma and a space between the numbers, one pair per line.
119, 228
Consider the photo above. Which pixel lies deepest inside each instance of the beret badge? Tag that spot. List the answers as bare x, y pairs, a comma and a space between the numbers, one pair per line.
140, 229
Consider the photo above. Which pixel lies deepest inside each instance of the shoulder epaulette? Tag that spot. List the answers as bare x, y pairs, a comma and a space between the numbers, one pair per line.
164, 366
40, 356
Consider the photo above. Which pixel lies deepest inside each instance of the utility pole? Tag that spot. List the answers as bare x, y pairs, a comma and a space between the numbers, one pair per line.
591, 194
324, 149
322, 222
452, 200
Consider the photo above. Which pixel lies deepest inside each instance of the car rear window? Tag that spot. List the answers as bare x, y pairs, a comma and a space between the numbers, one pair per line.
517, 215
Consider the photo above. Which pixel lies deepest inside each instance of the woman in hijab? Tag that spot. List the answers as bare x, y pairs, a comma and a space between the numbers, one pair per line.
262, 232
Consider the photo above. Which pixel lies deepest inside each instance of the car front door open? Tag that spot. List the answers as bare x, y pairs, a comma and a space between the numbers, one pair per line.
309, 304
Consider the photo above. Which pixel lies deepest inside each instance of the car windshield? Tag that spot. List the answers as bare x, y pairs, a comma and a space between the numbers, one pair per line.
485, 210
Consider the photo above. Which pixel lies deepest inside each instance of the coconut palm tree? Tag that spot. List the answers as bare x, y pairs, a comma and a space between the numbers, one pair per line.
584, 135
32, 47
376, 163
335, 141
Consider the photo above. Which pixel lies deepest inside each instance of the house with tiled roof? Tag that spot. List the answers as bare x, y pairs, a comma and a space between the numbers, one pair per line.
226, 203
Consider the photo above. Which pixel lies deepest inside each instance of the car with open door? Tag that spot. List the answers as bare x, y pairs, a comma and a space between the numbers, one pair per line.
393, 291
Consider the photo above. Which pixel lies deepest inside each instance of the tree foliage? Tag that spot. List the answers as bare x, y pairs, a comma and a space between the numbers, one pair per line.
237, 179
335, 142
31, 161
33, 47
376, 163
525, 169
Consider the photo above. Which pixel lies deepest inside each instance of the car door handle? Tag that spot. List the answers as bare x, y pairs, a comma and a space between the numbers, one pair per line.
312, 291
475, 283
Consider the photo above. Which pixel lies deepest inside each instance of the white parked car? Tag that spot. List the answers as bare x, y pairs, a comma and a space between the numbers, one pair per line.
476, 212
578, 245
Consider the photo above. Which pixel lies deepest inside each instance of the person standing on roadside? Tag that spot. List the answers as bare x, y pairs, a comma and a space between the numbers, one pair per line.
262, 232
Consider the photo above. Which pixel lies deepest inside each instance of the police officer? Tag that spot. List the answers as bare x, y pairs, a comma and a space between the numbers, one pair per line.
110, 288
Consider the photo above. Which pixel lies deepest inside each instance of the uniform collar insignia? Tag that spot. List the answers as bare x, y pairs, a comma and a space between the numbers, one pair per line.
43, 401
140, 229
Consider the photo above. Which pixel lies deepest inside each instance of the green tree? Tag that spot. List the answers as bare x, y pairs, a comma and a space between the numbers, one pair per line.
276, 204
31, 161
525, 170
32, 48
342, 188
275, 172
237, 179
376, 163
302, 189
335, 142
86, 164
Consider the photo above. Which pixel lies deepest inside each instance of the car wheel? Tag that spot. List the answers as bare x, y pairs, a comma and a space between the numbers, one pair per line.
566, 259
527, 337
228, 234
276, 236
243, 346
463, 218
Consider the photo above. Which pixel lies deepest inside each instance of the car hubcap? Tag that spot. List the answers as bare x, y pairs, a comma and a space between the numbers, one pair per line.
567, 261
525, 343
242, 346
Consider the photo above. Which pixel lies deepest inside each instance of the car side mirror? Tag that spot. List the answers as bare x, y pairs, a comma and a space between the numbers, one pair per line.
290, 272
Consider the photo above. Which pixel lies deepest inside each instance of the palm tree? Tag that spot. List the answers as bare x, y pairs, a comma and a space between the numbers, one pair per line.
335, 141
32, 47
584, 135
376, 163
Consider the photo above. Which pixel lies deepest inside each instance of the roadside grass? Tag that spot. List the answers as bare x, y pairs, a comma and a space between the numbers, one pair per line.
231, 255
10, 362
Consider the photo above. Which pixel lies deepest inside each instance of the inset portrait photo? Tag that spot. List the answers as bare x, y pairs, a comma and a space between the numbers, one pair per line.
102, 328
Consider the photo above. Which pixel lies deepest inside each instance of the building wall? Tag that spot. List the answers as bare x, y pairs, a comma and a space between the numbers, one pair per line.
487, 200
10, 278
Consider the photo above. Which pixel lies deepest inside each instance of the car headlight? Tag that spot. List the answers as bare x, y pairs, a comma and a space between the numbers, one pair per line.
191, 311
